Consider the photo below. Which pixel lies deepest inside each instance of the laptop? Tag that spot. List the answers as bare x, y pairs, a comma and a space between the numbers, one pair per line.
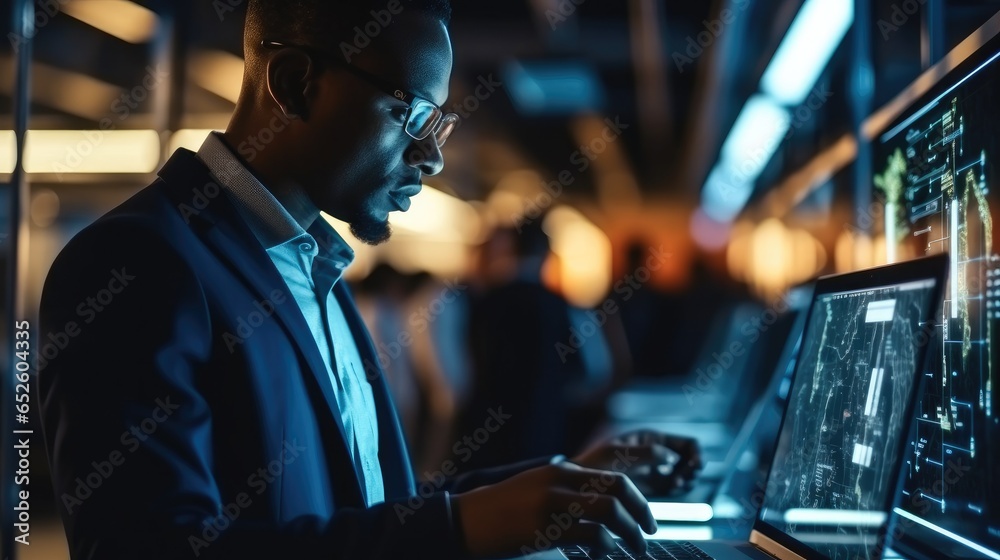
835, 470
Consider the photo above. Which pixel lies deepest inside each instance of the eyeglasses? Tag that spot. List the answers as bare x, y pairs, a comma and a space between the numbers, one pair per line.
422, 118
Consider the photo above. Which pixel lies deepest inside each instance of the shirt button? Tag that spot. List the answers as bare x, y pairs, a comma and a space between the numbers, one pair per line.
306, 247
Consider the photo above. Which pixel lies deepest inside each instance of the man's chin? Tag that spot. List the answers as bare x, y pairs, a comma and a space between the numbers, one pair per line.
371, 232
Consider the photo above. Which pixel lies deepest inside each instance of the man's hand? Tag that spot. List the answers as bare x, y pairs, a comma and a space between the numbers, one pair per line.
552, 506
658, 463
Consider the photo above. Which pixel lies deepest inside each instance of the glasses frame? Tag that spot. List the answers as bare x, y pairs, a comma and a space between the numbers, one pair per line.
441, 119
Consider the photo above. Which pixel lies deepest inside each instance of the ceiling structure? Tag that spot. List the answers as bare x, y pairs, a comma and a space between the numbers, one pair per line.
673, 76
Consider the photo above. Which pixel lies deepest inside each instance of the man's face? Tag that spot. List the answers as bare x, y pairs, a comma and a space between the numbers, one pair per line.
357, 162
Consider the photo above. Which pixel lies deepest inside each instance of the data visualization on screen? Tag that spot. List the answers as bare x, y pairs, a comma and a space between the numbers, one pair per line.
937, 171
837, 460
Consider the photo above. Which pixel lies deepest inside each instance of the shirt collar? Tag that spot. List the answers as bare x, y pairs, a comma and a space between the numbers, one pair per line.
268, 219
330, 244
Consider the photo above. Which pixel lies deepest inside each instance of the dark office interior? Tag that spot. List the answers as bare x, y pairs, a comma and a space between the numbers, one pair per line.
635, 203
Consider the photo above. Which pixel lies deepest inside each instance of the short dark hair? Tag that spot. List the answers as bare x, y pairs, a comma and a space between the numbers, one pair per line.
318, 20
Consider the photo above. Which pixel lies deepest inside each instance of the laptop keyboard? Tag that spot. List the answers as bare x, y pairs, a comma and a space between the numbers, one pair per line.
658, 550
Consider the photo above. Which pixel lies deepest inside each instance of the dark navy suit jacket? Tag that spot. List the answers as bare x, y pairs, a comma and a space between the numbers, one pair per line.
186, 409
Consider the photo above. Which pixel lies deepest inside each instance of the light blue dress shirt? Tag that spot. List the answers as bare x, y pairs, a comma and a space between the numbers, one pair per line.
310, 271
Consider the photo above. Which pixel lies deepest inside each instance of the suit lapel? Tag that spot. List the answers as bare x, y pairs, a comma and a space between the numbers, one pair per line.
234, 242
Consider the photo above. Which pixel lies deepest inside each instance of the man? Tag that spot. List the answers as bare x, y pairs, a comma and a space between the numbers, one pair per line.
215, 394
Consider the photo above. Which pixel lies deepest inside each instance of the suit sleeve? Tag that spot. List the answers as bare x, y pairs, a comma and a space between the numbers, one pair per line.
126, 332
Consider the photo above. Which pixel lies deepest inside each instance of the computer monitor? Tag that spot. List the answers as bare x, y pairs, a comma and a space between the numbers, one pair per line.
937, 166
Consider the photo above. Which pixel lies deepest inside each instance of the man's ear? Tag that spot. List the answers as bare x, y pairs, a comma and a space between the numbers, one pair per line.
289, 74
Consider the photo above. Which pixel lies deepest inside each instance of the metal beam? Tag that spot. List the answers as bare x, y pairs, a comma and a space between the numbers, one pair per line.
652, 87
931, 33
713, 82
862, 86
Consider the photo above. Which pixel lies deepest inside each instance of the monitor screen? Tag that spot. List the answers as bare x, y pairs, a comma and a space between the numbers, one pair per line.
837, 457
936, 170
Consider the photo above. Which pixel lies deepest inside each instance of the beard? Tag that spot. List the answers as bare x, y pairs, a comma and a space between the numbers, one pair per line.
371, 232
367, 217
369, 229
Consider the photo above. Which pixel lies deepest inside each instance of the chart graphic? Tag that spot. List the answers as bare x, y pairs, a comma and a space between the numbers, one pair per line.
944, 160
837, 454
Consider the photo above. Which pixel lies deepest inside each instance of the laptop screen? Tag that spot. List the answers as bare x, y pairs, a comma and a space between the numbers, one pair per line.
942, 152
838, 454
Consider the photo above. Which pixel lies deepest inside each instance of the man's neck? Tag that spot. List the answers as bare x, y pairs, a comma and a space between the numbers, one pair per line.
297, 203
289, 194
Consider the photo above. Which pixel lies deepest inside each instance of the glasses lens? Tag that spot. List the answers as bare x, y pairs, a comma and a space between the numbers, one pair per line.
448, 124
423, 119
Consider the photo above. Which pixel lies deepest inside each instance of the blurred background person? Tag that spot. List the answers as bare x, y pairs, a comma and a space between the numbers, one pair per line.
524, 359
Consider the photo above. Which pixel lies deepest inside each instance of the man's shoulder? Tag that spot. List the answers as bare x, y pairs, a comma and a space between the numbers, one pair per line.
163, 211
146, 216
162, 223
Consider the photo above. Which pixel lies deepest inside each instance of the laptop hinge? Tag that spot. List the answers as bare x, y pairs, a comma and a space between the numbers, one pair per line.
771, 547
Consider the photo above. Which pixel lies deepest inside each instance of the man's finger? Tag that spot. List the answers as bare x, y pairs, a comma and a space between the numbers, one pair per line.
664, 455
650, 454
592, 535
687, 447
618, 485
633, 501
610, 512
